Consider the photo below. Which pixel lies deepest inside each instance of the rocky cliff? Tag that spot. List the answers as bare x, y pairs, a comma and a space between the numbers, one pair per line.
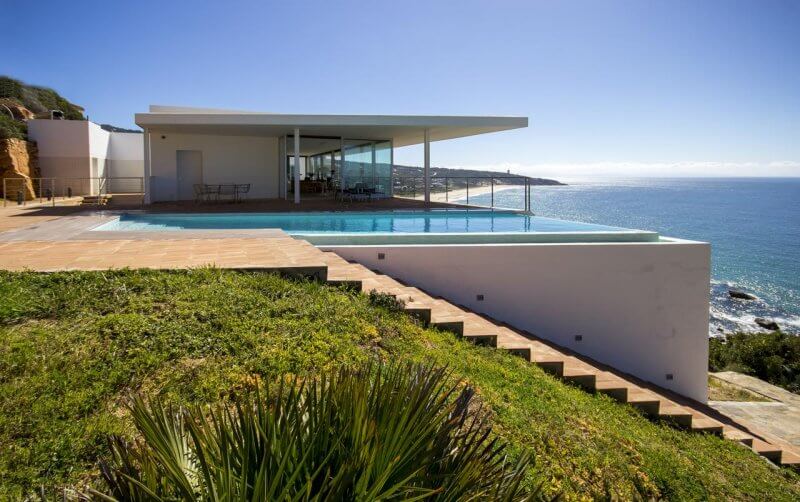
18, 165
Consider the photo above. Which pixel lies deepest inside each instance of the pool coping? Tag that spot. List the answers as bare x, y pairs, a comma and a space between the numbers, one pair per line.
476, 238
612, 235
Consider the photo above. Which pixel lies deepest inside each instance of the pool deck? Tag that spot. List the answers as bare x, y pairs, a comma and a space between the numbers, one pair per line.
57, 239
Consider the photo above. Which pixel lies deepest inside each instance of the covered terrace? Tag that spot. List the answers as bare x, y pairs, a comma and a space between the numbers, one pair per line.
289, 155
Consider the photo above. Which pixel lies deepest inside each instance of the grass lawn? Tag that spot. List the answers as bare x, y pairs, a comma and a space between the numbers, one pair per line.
73, 346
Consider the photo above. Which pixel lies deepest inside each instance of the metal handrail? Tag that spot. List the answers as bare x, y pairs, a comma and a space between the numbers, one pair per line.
489, 181
24, 190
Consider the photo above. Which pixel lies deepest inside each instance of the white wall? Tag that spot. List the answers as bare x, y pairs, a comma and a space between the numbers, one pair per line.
226, 159
640, 307
98, 141
126, 151
63, 147
66, 148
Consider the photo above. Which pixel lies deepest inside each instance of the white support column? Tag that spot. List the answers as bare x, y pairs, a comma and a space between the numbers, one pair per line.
427, 169
373, 164
342, 179
147, 169
296, 167
391, 169
282, 167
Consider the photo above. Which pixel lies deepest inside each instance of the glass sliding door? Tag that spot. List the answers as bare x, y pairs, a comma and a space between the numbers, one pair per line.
368, 166
383, 167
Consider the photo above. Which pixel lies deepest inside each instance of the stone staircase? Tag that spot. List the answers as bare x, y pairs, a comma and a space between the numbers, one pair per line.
656, 403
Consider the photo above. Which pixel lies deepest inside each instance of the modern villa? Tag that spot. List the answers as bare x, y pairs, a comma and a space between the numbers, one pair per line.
631, 299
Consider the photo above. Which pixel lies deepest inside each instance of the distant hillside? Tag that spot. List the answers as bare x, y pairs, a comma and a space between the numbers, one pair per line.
20, 102
459, 176
39, 100
111, 128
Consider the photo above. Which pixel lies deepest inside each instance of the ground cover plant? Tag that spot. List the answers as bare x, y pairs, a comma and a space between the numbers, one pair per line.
380, 432
773, 357
75, 346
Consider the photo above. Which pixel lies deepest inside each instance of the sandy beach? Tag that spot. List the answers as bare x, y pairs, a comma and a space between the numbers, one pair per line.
455, 195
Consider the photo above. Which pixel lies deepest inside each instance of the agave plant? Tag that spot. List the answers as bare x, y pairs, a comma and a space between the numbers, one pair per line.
380, 432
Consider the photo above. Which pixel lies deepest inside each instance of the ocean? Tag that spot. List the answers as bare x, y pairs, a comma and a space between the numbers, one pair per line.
753, 225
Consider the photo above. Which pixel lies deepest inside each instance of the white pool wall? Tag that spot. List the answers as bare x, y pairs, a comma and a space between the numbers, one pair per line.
641, 307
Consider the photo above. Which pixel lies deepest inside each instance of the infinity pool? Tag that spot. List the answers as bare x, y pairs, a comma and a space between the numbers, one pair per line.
440, 226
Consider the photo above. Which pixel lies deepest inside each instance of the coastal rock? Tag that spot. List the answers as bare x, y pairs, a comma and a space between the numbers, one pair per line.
767, 324
741, 295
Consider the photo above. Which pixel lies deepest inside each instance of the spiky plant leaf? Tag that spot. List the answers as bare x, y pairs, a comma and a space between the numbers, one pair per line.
379, 432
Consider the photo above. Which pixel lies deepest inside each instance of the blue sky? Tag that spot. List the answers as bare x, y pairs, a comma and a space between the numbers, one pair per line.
611, 88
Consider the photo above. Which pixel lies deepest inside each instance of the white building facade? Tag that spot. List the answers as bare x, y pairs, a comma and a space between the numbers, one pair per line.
82, 154
275, 154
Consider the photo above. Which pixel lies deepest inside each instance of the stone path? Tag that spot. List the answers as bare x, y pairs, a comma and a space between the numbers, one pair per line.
779, 418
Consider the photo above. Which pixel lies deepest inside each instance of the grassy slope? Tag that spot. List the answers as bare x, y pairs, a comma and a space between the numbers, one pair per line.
73, 345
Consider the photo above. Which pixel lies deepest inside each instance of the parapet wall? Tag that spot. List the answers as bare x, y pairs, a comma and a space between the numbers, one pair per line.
640, 307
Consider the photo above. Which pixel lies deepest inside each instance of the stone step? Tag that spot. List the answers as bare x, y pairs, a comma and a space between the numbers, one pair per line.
482, 330
707, 425
646, 402
732, 434
675, 414
611, 386
579, 376
767, 450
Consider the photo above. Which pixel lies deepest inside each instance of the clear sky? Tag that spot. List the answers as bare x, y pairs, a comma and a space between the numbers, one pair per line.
611, 88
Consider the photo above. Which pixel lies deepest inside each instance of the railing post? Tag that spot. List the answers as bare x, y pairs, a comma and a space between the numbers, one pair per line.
527, 195
446, 190
492, 204
468, 191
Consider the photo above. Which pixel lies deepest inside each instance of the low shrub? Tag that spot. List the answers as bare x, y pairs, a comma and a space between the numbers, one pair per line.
10, 128
773, 357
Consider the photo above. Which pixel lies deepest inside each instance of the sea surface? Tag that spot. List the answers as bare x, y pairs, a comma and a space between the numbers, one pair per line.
753, 225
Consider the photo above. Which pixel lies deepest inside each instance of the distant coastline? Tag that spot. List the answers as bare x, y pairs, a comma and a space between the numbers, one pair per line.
458, 177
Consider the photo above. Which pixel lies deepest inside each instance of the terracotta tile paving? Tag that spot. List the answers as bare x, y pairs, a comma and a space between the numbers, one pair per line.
264, 253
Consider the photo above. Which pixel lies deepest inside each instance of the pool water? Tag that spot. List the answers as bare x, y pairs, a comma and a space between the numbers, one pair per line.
389, 227
356, 222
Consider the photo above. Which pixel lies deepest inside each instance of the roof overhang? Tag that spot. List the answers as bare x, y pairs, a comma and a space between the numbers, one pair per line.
403, 130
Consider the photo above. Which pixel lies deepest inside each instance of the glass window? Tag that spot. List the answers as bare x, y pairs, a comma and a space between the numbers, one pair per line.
368, 163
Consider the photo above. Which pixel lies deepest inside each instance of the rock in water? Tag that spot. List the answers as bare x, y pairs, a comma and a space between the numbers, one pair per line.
741, 295
767, 324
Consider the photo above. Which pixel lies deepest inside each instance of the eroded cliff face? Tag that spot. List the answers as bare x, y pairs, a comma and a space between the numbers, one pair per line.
18, 165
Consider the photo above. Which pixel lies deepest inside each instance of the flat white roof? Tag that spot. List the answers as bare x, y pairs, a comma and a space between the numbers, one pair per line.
403, 130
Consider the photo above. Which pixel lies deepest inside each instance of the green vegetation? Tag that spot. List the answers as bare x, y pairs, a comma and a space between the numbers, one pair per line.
381, 432
720, 390
10, 128
773, 357
37, 99
75, 346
